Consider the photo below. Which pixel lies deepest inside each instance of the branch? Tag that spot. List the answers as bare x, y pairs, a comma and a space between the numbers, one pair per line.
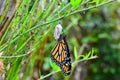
93, 57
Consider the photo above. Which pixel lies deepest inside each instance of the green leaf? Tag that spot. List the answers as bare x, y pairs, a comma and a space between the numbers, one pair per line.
75, 53
92, 52
104, 35
53, 65
88, 55
97, 2
75, 3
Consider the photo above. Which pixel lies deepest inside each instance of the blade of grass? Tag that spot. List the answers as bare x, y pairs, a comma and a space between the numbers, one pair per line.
5, 11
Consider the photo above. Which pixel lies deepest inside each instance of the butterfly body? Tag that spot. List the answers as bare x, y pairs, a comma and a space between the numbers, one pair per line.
61, 56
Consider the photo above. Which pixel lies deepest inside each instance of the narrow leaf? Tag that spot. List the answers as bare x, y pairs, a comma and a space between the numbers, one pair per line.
75, 53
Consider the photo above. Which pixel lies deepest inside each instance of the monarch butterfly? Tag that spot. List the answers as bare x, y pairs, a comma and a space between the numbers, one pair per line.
61, 56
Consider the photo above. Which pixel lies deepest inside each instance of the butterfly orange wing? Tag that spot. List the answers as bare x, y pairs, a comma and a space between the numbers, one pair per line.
61, 56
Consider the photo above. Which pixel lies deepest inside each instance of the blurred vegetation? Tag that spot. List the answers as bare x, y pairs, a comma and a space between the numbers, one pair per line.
92, 28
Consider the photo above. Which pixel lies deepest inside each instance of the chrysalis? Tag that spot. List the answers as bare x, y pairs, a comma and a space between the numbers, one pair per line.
57, 31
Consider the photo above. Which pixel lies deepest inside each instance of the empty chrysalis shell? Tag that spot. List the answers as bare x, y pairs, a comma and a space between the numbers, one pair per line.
57, 31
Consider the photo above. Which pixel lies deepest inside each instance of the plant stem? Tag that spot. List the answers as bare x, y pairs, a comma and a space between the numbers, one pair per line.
22, 55
75, 62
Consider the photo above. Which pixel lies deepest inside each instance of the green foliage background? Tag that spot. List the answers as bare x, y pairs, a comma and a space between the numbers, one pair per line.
28, 40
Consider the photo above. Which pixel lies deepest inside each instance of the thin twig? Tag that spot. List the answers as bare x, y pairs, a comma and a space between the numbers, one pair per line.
85, 9
49, 74
93, 57
64, 8
18, 55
